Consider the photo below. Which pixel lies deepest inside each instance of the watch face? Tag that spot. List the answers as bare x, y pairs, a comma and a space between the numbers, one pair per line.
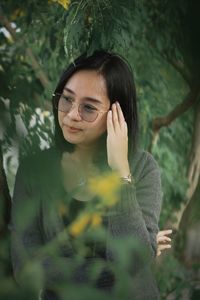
127, 179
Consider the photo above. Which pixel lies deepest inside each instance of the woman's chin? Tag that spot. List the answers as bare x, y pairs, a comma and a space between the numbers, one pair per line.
78, 138
71, 140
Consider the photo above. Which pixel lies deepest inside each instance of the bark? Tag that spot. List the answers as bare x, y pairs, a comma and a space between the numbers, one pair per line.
188, 231
189, 221
187, 247
194, 167
5, 206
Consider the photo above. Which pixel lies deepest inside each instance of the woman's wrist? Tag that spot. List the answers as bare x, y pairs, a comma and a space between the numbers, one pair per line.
125, 174
124, 171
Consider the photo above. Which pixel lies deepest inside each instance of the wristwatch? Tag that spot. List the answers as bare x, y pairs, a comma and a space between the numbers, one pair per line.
127, 179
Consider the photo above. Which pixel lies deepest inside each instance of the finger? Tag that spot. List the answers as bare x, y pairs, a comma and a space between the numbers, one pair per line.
120, 114
110, 128
163, 239
115, 117
158, 253
161, 234
122, 121
164, 247
164, 232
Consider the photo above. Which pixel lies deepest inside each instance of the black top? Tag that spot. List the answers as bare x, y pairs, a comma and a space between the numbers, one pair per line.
95, 248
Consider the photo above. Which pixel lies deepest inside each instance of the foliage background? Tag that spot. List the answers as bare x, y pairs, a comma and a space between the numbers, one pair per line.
158, 38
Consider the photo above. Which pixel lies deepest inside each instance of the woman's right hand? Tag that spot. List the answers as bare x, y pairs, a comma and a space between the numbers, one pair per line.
163, 241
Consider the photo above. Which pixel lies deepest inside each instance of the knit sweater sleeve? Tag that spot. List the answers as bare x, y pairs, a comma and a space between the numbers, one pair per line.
138, 209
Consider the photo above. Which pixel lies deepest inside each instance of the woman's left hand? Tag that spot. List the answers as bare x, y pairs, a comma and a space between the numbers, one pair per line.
163, 241
117, 141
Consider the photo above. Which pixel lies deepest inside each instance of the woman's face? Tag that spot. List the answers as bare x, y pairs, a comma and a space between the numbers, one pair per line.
87, 87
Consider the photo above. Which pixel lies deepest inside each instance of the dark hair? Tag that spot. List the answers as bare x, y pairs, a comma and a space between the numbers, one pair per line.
120, 87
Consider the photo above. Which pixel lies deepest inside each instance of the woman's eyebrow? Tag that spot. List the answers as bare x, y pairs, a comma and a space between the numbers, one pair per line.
87, 98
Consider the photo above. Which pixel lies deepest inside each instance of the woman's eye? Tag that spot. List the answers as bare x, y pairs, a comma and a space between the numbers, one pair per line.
66, 98
89, 107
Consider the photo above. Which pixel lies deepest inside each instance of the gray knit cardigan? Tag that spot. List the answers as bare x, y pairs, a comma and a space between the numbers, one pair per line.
135, 215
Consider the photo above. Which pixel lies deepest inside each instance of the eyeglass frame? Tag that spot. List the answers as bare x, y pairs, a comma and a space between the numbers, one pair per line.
56, 106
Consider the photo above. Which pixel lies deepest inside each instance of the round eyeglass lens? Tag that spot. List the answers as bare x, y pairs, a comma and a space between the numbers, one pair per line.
87, 113
64, 105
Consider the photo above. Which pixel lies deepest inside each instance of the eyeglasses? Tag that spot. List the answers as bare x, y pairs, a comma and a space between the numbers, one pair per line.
86, 111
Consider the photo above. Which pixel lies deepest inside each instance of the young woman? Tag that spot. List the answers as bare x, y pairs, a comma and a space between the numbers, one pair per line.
96, 130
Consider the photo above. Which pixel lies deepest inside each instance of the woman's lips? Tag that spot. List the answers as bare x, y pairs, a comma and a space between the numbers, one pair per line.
73, 129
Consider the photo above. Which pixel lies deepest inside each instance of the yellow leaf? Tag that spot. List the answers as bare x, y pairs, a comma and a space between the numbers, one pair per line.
62, 210
17, 14
64, 3
89, 19
10, 39
46, 113
106, 187
96, 219
79, 225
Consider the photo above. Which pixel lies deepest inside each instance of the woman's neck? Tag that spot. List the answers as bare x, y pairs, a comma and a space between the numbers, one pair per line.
85, 154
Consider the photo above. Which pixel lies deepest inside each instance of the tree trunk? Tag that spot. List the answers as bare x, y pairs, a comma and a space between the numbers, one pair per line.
193, 173
190, 227
5, 201
187, 240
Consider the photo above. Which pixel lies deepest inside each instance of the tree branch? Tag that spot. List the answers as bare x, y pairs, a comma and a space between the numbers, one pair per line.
159, 122
180, 67
179, 109
39, 73
32, 60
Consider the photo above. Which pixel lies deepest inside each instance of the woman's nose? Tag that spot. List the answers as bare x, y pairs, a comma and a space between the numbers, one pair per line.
73, 113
